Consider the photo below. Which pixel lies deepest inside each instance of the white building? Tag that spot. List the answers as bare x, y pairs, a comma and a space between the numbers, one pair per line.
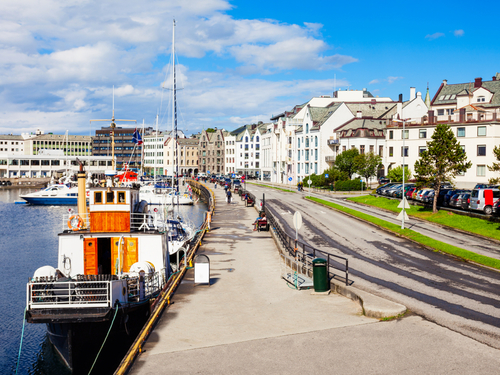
230, 153
46, 164
153, 152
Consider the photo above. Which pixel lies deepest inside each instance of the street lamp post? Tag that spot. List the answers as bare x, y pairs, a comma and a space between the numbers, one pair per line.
403, 195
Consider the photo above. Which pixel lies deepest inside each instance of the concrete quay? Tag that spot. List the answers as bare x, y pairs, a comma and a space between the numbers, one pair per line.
250, 321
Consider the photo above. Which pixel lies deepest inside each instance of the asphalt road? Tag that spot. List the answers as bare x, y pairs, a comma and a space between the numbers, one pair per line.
461, 296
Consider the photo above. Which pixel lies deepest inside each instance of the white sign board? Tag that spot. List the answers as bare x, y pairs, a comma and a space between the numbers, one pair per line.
202, 273
297, 220
404, 204
309, 182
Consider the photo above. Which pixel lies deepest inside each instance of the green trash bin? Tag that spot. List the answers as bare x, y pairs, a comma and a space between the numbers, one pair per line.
320, 275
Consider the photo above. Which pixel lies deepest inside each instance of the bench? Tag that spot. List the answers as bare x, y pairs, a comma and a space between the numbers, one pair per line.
249, 202
262, 225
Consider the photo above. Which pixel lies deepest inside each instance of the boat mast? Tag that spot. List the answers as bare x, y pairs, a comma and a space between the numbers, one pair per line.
174, 114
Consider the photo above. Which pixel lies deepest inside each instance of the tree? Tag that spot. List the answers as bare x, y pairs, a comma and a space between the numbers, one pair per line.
345, 161
441, 162
396, 174
367, 165
496, 166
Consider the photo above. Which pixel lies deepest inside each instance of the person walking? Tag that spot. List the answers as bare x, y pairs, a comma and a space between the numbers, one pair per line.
228, 194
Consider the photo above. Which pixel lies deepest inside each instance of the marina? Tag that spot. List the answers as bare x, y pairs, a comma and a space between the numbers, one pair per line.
22, 253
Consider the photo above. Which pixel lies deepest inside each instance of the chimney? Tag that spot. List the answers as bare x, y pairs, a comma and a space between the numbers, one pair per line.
461, 116
431, 117
445, 82
359, 114
412, 93
401, 98
494, 78
478, 82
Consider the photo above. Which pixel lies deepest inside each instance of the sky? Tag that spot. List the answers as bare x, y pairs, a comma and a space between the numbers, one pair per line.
238, 62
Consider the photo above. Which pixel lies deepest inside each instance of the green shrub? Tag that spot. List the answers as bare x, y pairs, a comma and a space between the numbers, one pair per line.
350, 185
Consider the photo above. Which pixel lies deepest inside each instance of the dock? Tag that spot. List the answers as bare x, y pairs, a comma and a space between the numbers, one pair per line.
249, 320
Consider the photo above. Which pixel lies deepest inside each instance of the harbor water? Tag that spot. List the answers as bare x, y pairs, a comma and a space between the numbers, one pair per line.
28, 240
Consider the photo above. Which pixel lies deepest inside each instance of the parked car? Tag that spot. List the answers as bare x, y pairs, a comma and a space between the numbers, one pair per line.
428, 196
451, 193
465, 201
496, 208
460, 199
383, 180
390, 191
410, 192
484, 199
453, 200
421, 194
383, 187
442, 193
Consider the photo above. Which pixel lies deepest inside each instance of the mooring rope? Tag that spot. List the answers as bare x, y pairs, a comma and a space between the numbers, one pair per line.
21, 344
104, 342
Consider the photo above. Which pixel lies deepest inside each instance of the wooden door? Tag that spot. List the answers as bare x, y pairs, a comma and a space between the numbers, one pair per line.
90, 256
128, 251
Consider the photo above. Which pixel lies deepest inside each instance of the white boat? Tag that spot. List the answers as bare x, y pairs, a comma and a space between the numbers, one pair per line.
113, 261
164, 196
56, 194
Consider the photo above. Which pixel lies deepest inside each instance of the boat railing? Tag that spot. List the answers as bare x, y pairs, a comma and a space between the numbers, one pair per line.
92, 290
47, 292
138, 222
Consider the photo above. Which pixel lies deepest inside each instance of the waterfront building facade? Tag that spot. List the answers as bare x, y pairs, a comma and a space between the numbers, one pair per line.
187, 159
211, 154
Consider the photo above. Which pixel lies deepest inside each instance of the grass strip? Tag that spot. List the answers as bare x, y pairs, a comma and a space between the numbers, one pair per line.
272, 187
473, 225
415, 236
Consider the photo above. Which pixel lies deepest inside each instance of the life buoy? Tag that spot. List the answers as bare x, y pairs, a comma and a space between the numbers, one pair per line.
78, 226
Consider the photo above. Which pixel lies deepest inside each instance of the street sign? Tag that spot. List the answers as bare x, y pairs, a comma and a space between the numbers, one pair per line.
309, 182
326, 176
297, 220
404, 203
401, 214
289, 179
233, 175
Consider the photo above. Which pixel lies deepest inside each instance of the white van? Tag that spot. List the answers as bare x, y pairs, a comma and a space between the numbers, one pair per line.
484, 199
202, 174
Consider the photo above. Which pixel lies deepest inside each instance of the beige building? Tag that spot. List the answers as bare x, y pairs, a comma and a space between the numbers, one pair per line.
187, 160
211, 152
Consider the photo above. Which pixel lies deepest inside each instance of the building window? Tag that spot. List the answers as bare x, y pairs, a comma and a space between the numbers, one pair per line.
307, 128
298, 168
372, 148
362, 149
449, 111
391, 151
381, 151
298, 140
481, 150
481, 131
440, 112
421, 149
460, 132
299, 155
481, 99
481, 170
422, 133
316, 141
404, 151
343, 148
391, 134
405, 134
316, 154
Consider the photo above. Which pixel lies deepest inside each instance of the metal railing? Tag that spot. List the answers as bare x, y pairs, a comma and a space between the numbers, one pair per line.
305, 253
138, 222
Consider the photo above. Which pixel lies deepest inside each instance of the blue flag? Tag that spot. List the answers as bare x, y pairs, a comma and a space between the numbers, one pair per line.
137, 137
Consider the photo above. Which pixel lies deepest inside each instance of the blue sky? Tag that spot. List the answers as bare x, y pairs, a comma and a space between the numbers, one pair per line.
239, 61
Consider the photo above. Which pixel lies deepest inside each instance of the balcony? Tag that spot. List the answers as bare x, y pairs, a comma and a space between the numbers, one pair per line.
330, 159
332, 142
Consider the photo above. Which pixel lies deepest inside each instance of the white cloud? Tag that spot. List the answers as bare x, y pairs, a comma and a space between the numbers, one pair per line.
373, 81
393, 79
60, 60
458, 33
434, 36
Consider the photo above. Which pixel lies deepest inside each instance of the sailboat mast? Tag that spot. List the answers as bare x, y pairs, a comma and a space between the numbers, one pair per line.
174, 113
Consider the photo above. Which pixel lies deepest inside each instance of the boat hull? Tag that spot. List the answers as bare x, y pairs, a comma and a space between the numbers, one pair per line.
51, 201
77, 337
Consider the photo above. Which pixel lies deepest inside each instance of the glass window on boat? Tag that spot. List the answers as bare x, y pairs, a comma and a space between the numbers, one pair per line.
121, 197
110, 197
98, 197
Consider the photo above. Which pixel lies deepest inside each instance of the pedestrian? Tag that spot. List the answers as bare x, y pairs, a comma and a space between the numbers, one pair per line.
228, 193
215, 185
260, 218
